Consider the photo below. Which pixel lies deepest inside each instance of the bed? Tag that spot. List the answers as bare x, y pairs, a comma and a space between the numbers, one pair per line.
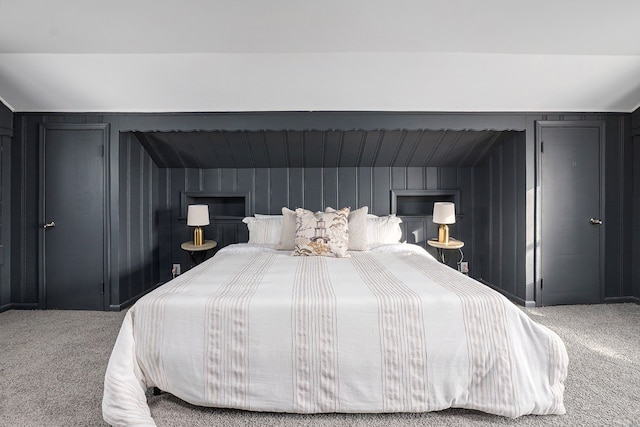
387, 329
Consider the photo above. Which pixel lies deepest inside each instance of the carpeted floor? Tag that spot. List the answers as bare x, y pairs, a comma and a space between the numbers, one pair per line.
52, 367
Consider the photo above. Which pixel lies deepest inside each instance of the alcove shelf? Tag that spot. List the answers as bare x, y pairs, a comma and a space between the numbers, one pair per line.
222, 205
419, 203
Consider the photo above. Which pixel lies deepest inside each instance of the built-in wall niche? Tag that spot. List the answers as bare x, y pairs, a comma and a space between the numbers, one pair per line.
420, 202
233, 205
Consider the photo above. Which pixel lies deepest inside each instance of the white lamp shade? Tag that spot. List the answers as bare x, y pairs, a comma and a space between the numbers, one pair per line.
444, 213
197, 215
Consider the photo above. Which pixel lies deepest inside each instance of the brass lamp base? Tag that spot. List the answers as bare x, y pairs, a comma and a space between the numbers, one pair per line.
443, 234
198, 236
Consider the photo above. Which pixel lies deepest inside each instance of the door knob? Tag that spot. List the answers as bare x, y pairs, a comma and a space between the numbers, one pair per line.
49, 225
595, 221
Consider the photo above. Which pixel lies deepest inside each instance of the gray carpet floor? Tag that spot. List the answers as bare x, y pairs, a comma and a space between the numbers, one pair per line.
52, 366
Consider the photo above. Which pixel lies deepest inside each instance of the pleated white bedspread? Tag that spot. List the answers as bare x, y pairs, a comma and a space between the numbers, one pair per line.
388, 330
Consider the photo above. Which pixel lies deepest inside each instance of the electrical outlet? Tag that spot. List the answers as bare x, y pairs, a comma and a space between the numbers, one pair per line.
463, 267
175, 270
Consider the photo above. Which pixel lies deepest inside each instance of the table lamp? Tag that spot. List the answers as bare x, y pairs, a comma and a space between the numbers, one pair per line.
444, 213
197, 216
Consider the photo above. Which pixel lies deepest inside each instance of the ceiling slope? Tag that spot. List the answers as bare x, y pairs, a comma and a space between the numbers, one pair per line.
286, 55
319, 148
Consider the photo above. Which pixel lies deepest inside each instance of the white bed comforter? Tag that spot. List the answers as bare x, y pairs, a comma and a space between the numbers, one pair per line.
388, 330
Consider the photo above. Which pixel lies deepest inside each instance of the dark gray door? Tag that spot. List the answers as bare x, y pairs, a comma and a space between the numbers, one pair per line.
571, 212
72, 217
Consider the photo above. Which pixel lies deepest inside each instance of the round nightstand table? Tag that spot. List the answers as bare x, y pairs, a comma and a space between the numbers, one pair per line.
198, 253
453, 244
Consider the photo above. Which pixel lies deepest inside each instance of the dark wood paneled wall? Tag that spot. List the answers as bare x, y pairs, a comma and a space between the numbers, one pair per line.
143, 227
499, 217
618, 177
6, 132
6, 119
141, 211
315, 189
635, 214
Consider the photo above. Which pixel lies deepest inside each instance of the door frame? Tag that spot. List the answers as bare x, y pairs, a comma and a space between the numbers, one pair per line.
43, 128
539, 125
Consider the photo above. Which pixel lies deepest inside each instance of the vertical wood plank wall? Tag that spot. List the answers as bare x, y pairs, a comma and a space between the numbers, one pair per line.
499, 213
140, 215
6, 131
618, 176
145, 231
635, 213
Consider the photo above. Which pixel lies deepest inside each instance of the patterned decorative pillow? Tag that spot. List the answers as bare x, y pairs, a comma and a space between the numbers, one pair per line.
322, 233
358, 240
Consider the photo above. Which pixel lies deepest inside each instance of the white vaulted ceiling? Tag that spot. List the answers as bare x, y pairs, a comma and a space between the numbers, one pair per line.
295, 55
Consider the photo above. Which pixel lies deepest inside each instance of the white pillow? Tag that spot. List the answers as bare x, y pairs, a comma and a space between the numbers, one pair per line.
264, 230
382, 230
358, 239
322, 233
287, 239
263, 216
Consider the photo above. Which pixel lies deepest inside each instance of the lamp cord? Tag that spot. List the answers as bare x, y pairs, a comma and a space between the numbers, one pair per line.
461, 253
